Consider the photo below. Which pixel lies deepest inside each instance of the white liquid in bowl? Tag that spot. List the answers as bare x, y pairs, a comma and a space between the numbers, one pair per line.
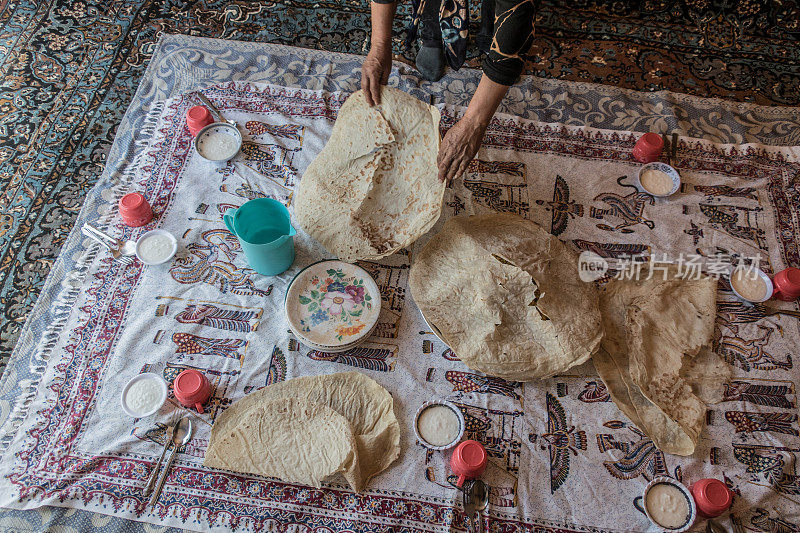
749, 284
667, 505
155, 248
144, 396
438, 425
218, 144
657, 182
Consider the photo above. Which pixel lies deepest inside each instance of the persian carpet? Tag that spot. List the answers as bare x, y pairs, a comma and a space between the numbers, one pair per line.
560, 450
69, 70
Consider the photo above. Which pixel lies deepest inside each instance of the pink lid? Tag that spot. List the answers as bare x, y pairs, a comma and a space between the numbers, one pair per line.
198, 113
468, 461
192, 388
652, 142
793, 276
712, 496
131, 201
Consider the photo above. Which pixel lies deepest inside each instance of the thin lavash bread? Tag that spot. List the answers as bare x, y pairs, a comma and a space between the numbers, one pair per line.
655, 358
374, 188
363, 403
506, 297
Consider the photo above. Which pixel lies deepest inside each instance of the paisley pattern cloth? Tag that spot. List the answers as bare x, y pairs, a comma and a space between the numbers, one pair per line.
63, 442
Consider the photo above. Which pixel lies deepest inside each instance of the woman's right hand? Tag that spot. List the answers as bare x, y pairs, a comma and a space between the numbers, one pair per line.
375, 72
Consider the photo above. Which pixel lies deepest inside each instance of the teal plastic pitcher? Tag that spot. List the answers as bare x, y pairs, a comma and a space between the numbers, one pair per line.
265, 231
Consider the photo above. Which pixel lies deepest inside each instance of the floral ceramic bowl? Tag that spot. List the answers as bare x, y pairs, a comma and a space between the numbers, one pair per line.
332, 306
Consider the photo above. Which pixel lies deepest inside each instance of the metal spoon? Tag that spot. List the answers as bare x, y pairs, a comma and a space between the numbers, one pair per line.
115, 254
151, 481
182, 435
479, 495
126, 248
470, 507
214, 110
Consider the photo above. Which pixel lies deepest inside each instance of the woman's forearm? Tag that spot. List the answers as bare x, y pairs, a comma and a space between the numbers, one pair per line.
382, 17
485, 101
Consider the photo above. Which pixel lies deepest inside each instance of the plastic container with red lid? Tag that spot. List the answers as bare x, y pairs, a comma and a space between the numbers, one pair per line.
192, 389
648, 148
787, 284
468, 461
712, 497
134, 210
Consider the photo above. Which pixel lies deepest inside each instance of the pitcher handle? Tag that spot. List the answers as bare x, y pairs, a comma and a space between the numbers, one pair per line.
228, 219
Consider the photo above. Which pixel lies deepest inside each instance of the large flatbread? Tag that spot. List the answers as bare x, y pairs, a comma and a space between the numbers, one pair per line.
292, 439
374, 188
368, 407
506, 297
654, 358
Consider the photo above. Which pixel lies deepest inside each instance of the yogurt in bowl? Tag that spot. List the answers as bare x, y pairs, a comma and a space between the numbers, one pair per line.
156, 247
439, 425
669, 504
659, 179
144, 395
218, 141
751, 284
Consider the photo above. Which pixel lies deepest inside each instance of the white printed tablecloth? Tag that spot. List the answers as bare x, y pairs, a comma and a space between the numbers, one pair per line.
562, 456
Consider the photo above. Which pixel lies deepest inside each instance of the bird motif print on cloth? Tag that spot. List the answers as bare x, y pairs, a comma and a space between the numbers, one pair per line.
212, 316
630, 208
746, 422
767, 395
562, 208
284, 131
469, 382
194, 344
562, 440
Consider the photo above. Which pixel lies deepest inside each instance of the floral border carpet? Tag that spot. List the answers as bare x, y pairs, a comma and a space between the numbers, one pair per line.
70, 68
739, 195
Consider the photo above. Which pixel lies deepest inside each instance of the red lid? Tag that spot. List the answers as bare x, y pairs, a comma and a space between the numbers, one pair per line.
191, 387
712, 497
793, 275
468, 460
787, 284
653, 142
131, 201
198, 113
473, 453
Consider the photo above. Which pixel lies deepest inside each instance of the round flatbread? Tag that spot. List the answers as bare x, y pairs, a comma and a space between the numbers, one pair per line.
292, 439
367, 407
506, 297
374, 188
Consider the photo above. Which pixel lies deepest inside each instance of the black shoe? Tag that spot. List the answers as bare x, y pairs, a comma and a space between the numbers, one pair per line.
430, 62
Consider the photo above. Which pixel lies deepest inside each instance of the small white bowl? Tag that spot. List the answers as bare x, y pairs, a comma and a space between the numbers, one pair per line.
665, 168
461, 424
690, 518
144, 236
146, 375
206, 147
761, 274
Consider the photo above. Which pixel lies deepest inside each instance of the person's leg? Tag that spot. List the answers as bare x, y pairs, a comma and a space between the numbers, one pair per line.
431, 33
484, 38
430, 58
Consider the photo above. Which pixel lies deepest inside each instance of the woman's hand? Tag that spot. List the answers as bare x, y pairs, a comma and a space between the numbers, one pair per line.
375, 72
461, 143
459, 147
